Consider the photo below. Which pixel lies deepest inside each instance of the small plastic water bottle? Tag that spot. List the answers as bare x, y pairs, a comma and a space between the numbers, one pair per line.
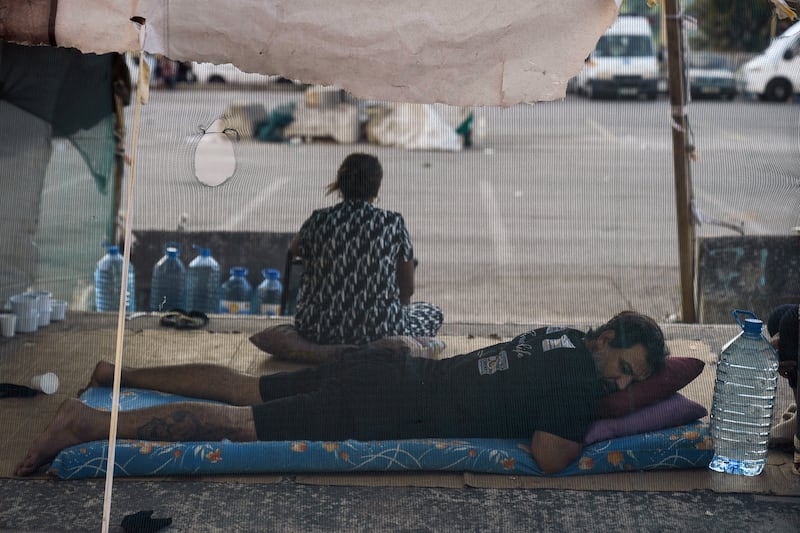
107, 282
168, 288
236, 294
744, 397
203, 282
269, 292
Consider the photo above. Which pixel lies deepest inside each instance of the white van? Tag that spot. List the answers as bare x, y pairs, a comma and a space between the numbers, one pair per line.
624, 62
775, 74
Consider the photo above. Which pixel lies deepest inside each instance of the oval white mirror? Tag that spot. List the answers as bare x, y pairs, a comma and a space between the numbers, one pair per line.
214, 158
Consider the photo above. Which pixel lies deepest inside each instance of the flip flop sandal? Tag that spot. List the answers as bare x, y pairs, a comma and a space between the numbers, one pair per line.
180, 319
192, 320
170, 320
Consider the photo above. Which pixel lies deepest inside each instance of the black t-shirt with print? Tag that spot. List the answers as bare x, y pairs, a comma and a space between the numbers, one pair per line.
542, 380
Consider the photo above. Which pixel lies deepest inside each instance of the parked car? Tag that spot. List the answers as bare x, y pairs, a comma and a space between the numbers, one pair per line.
710, 76
775, 74
227, 73
624, 62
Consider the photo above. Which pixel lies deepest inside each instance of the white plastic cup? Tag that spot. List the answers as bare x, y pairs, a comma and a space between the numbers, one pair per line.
47, 383
8, 323
43, 306
27, 322
23, 304
58, 310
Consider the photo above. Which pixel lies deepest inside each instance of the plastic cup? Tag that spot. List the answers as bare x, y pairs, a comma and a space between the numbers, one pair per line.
23, 304
43, 305
27, 322
58, 310
47, 383
8, 323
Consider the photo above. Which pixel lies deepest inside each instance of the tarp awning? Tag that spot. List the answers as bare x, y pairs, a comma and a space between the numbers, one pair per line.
462, 52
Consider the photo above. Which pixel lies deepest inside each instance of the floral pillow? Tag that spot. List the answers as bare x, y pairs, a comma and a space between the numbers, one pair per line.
676, 410
676, 374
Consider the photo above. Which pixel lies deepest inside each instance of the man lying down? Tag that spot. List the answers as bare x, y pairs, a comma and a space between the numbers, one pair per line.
543, 385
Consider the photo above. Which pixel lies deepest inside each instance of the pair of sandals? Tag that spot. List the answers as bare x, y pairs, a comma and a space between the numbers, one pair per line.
181, 319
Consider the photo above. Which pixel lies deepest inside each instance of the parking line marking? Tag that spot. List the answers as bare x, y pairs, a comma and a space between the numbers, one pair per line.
257, 203
501, 240
602, 130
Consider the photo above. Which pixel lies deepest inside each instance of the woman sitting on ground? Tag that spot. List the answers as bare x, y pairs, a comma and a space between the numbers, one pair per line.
358, 266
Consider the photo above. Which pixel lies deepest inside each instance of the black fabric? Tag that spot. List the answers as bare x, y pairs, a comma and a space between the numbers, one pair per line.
70, 90
784, 321
542, 380
142, 522
361, 397
11, 390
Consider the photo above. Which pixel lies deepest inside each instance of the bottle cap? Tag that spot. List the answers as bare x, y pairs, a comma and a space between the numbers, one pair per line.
752, 327
113, 250
239, 271
271, 273
172, 252
205, 252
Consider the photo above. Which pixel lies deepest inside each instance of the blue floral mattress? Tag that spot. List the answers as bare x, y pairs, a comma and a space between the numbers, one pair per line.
681, 447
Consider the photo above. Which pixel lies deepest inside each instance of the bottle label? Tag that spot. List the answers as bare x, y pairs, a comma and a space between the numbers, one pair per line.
235, 307
270, 309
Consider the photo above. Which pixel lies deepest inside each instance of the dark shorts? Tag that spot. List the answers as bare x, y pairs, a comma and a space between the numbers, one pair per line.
364, 397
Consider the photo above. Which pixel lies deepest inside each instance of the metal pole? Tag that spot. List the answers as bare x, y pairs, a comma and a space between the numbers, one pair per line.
680, 159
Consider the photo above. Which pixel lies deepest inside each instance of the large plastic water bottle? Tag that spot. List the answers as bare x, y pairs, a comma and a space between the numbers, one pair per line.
269, 292
744, 397
107, 282
237, 294
203, 282
168, 288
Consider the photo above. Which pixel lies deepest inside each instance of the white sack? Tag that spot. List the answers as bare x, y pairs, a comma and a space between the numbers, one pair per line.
413, 127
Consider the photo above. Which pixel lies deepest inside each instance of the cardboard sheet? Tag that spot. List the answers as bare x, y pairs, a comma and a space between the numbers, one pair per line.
71, 349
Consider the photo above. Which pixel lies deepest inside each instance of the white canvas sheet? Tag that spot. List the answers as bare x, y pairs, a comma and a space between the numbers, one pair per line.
463, 52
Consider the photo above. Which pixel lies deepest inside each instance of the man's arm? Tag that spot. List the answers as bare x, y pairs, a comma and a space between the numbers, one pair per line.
553, 453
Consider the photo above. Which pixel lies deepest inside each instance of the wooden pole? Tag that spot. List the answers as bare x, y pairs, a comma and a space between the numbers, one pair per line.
119, 169
680, 159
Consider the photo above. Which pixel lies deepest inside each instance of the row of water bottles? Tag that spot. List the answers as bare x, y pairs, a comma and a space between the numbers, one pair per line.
198, 287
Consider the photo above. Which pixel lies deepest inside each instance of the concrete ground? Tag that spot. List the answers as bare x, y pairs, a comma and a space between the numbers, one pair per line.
291, 507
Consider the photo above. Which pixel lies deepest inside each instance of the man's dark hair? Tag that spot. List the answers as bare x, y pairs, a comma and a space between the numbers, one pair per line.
358, 178
631, 328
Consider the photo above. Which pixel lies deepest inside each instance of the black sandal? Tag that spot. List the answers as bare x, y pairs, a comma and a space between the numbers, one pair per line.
180, 319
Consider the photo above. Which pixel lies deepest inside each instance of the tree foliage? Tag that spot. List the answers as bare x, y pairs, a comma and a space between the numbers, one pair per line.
732, 25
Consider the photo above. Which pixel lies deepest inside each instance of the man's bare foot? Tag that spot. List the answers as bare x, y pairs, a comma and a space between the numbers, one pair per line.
73, 424
103, 376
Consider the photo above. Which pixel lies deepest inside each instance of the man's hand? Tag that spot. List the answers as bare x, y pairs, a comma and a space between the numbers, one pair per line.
553, 453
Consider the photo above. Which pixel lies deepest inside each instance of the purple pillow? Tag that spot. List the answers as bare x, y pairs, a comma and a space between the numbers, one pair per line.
676, 410
676, 374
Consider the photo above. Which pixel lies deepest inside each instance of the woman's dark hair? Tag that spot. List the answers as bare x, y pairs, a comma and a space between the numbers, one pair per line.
631, 328
358, 178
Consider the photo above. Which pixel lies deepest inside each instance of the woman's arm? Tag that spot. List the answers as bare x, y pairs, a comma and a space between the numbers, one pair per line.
405, 280
294, 248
